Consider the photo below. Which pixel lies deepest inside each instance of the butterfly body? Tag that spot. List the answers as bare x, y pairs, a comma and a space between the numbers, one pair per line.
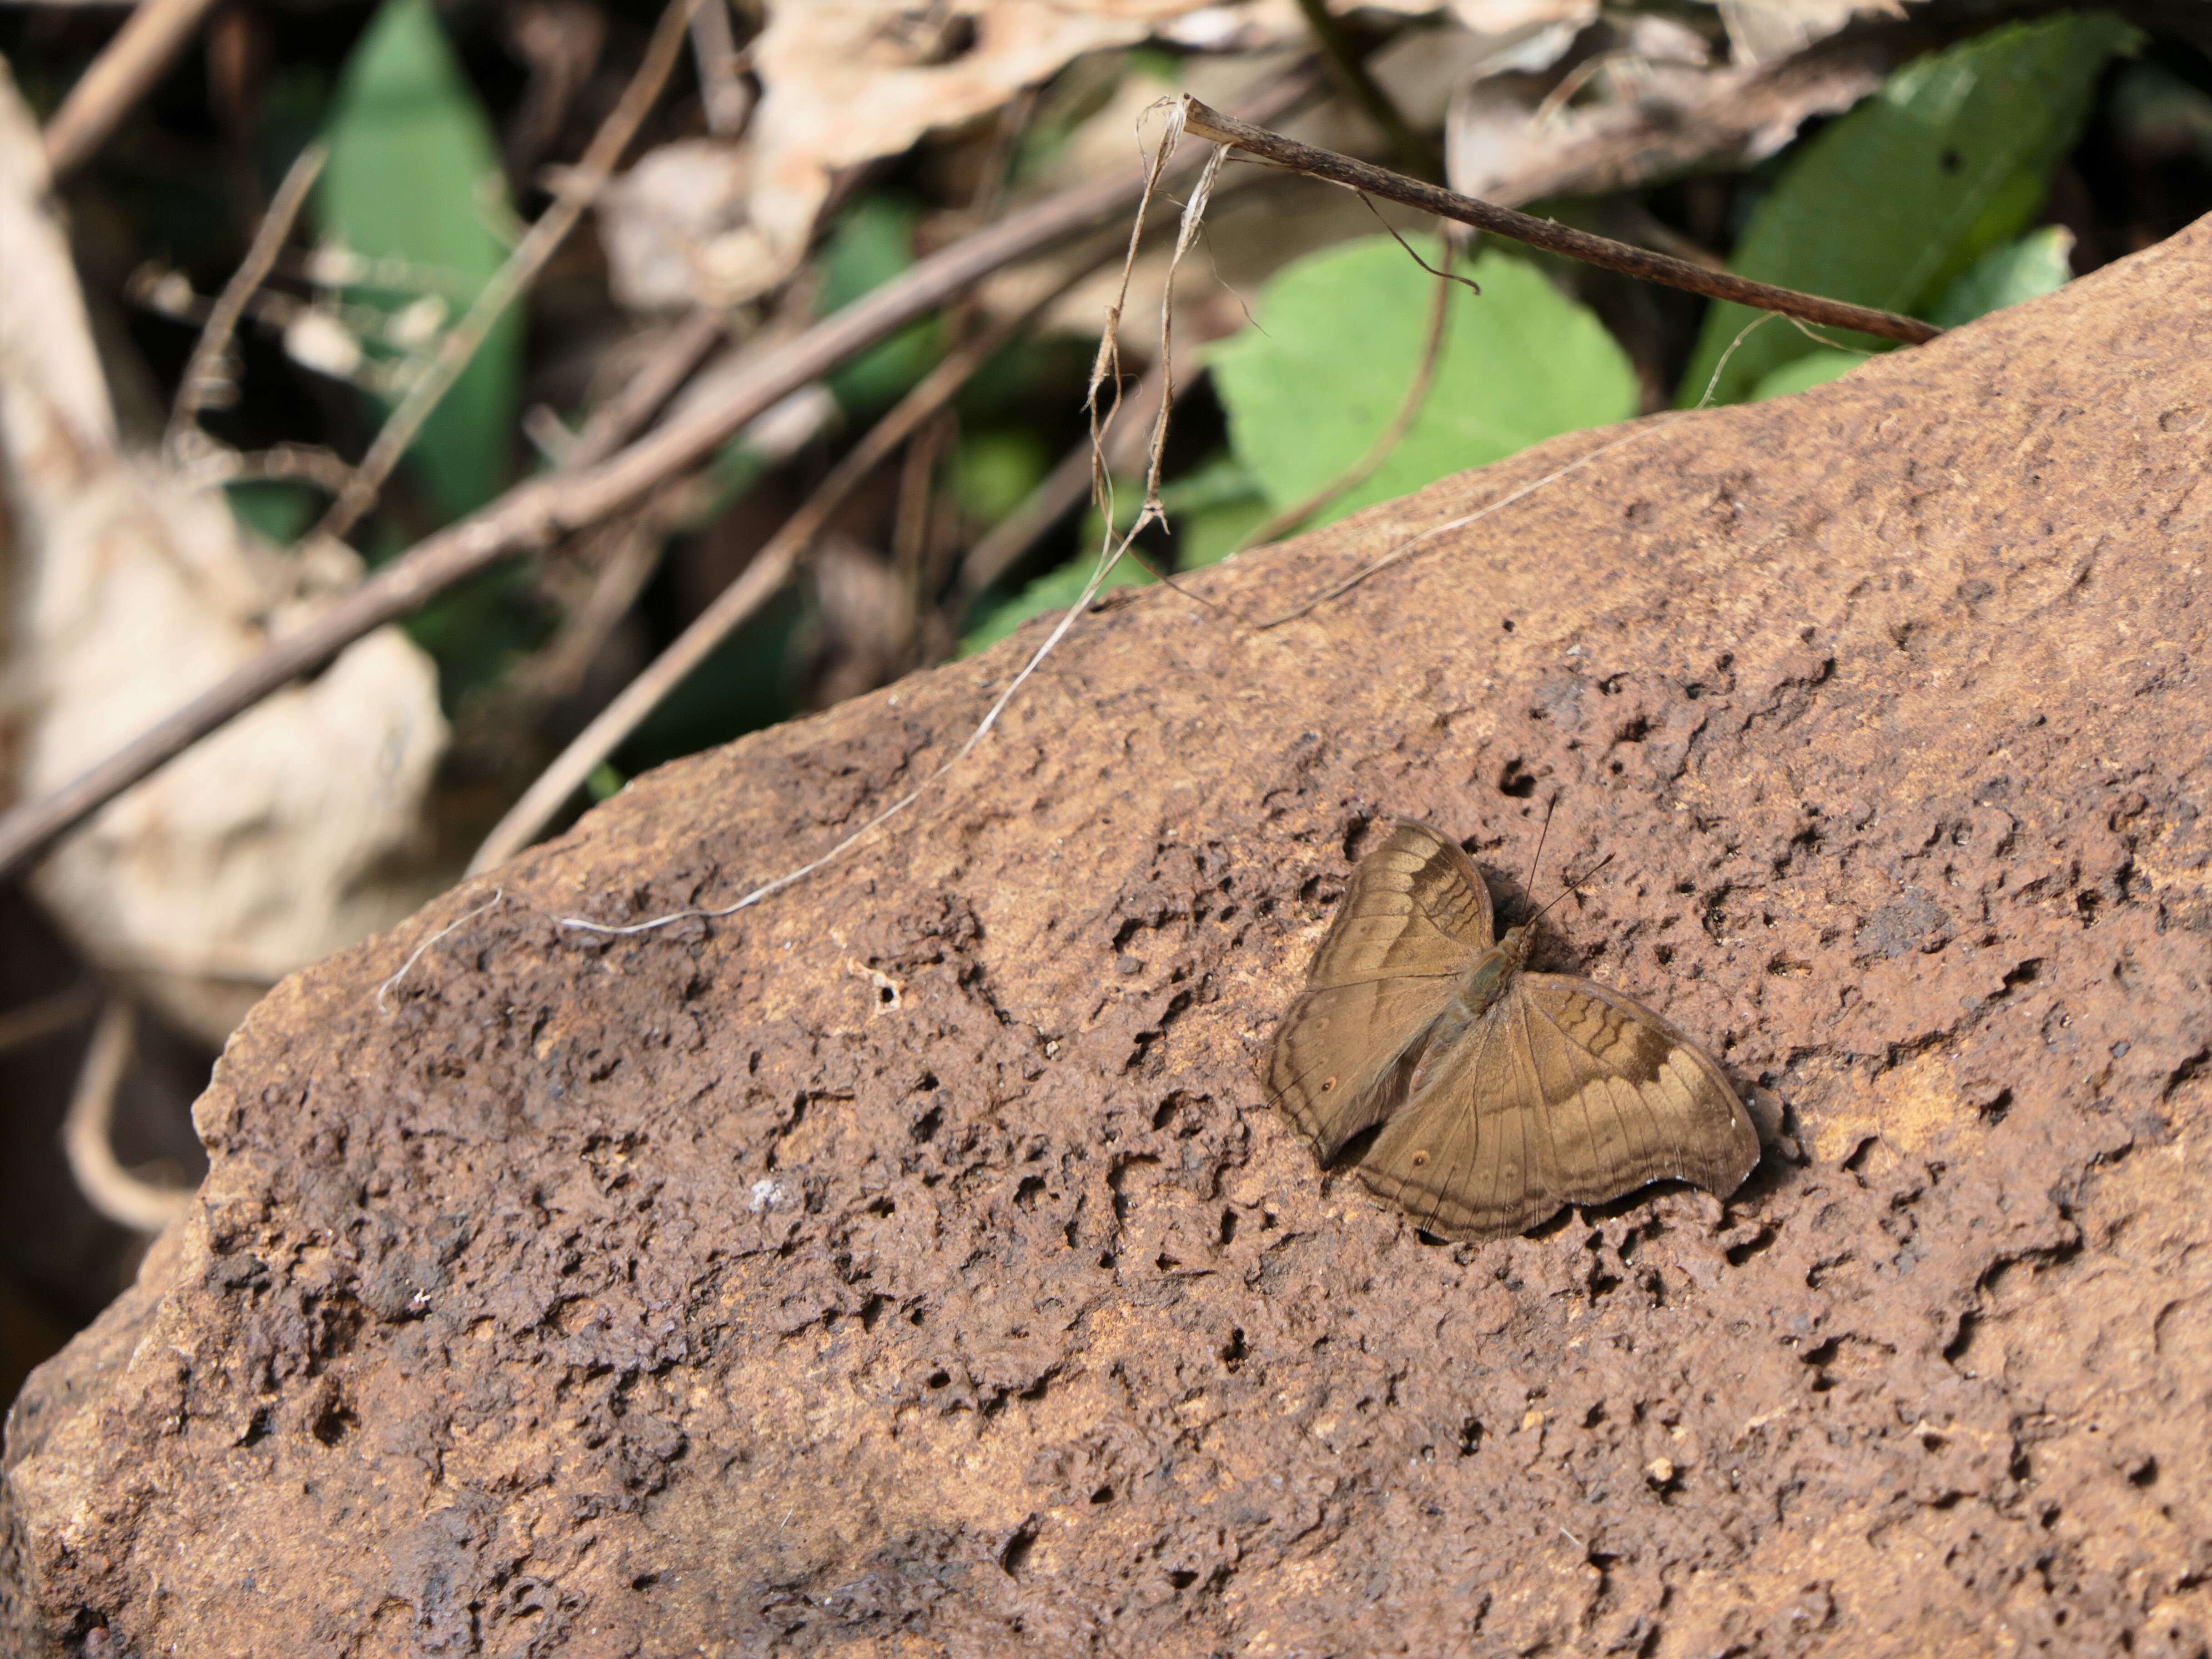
1485, 986
1502, 1095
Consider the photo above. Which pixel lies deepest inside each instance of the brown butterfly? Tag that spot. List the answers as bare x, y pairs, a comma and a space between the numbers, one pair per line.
1504, 1094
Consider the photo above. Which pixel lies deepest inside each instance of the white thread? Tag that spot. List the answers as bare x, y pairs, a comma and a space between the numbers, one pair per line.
383, 990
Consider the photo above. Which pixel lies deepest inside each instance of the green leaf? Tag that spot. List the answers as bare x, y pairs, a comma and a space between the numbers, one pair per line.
414, 174
995, 472
1054, 591
1339, 338
1803, 373
1888, 205
1215, 531
871, 244
1211, 509
2036, 264
277, 510
1217, 481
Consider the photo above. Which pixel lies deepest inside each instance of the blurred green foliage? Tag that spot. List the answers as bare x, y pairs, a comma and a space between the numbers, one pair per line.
873, 243
277, 510
415, 175
994, 471
1338, 338
1890, 204
2035, 265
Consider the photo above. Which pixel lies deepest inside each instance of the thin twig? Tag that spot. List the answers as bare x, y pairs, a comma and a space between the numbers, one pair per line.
914, 513
533, 515
1062, 491
307, 462
151, 38
112, 1190
1103, 366
1387, 441
36, 1021
204, 371
721, 67
1546, 233
673, 361
759, 582
580, 186
624, 553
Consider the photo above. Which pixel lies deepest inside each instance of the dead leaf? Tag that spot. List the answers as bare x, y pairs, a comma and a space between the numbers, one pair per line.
286, 836
1760, 31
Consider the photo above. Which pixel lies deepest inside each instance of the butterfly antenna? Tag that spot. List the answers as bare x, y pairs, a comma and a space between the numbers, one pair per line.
1570, 887
1528, 881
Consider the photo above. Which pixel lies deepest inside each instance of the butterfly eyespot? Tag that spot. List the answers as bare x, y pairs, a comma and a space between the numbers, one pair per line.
1419, 1159
1327, 1083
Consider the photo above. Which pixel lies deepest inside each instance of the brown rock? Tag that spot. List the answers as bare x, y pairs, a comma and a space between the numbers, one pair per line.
895, 1267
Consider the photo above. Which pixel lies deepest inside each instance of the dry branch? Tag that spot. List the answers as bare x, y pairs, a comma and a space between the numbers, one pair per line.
673, 361
204, 371
758, 583
150, 40
1545, 235
579, 187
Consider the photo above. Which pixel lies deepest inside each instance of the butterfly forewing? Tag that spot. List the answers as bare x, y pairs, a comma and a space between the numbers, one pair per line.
1413, 920
1415, 906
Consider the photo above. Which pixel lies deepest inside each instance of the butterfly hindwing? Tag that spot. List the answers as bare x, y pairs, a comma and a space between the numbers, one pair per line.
1663, 1086
1563, 1092
1343, 1055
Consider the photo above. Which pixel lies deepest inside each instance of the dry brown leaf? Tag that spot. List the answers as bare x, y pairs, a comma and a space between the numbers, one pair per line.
674, 227
1651, 104
283, 837
849, 81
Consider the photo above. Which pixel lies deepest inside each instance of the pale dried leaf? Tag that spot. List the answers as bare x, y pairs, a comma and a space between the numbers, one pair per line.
317, 341
1650, 108
282, 838
1501, 19
675, 231
1762, 30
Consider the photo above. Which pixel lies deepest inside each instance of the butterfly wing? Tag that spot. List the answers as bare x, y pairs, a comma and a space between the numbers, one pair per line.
1414, 905
1565, 1092
1411, 923
1344, 1053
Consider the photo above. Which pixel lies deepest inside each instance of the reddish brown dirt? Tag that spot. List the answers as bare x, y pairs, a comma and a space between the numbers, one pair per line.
910, 1265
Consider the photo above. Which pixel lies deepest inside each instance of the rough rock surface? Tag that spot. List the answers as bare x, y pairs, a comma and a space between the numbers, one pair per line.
910, 1265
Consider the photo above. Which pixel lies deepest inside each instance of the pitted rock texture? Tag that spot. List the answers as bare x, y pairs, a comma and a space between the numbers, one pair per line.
909, 1264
